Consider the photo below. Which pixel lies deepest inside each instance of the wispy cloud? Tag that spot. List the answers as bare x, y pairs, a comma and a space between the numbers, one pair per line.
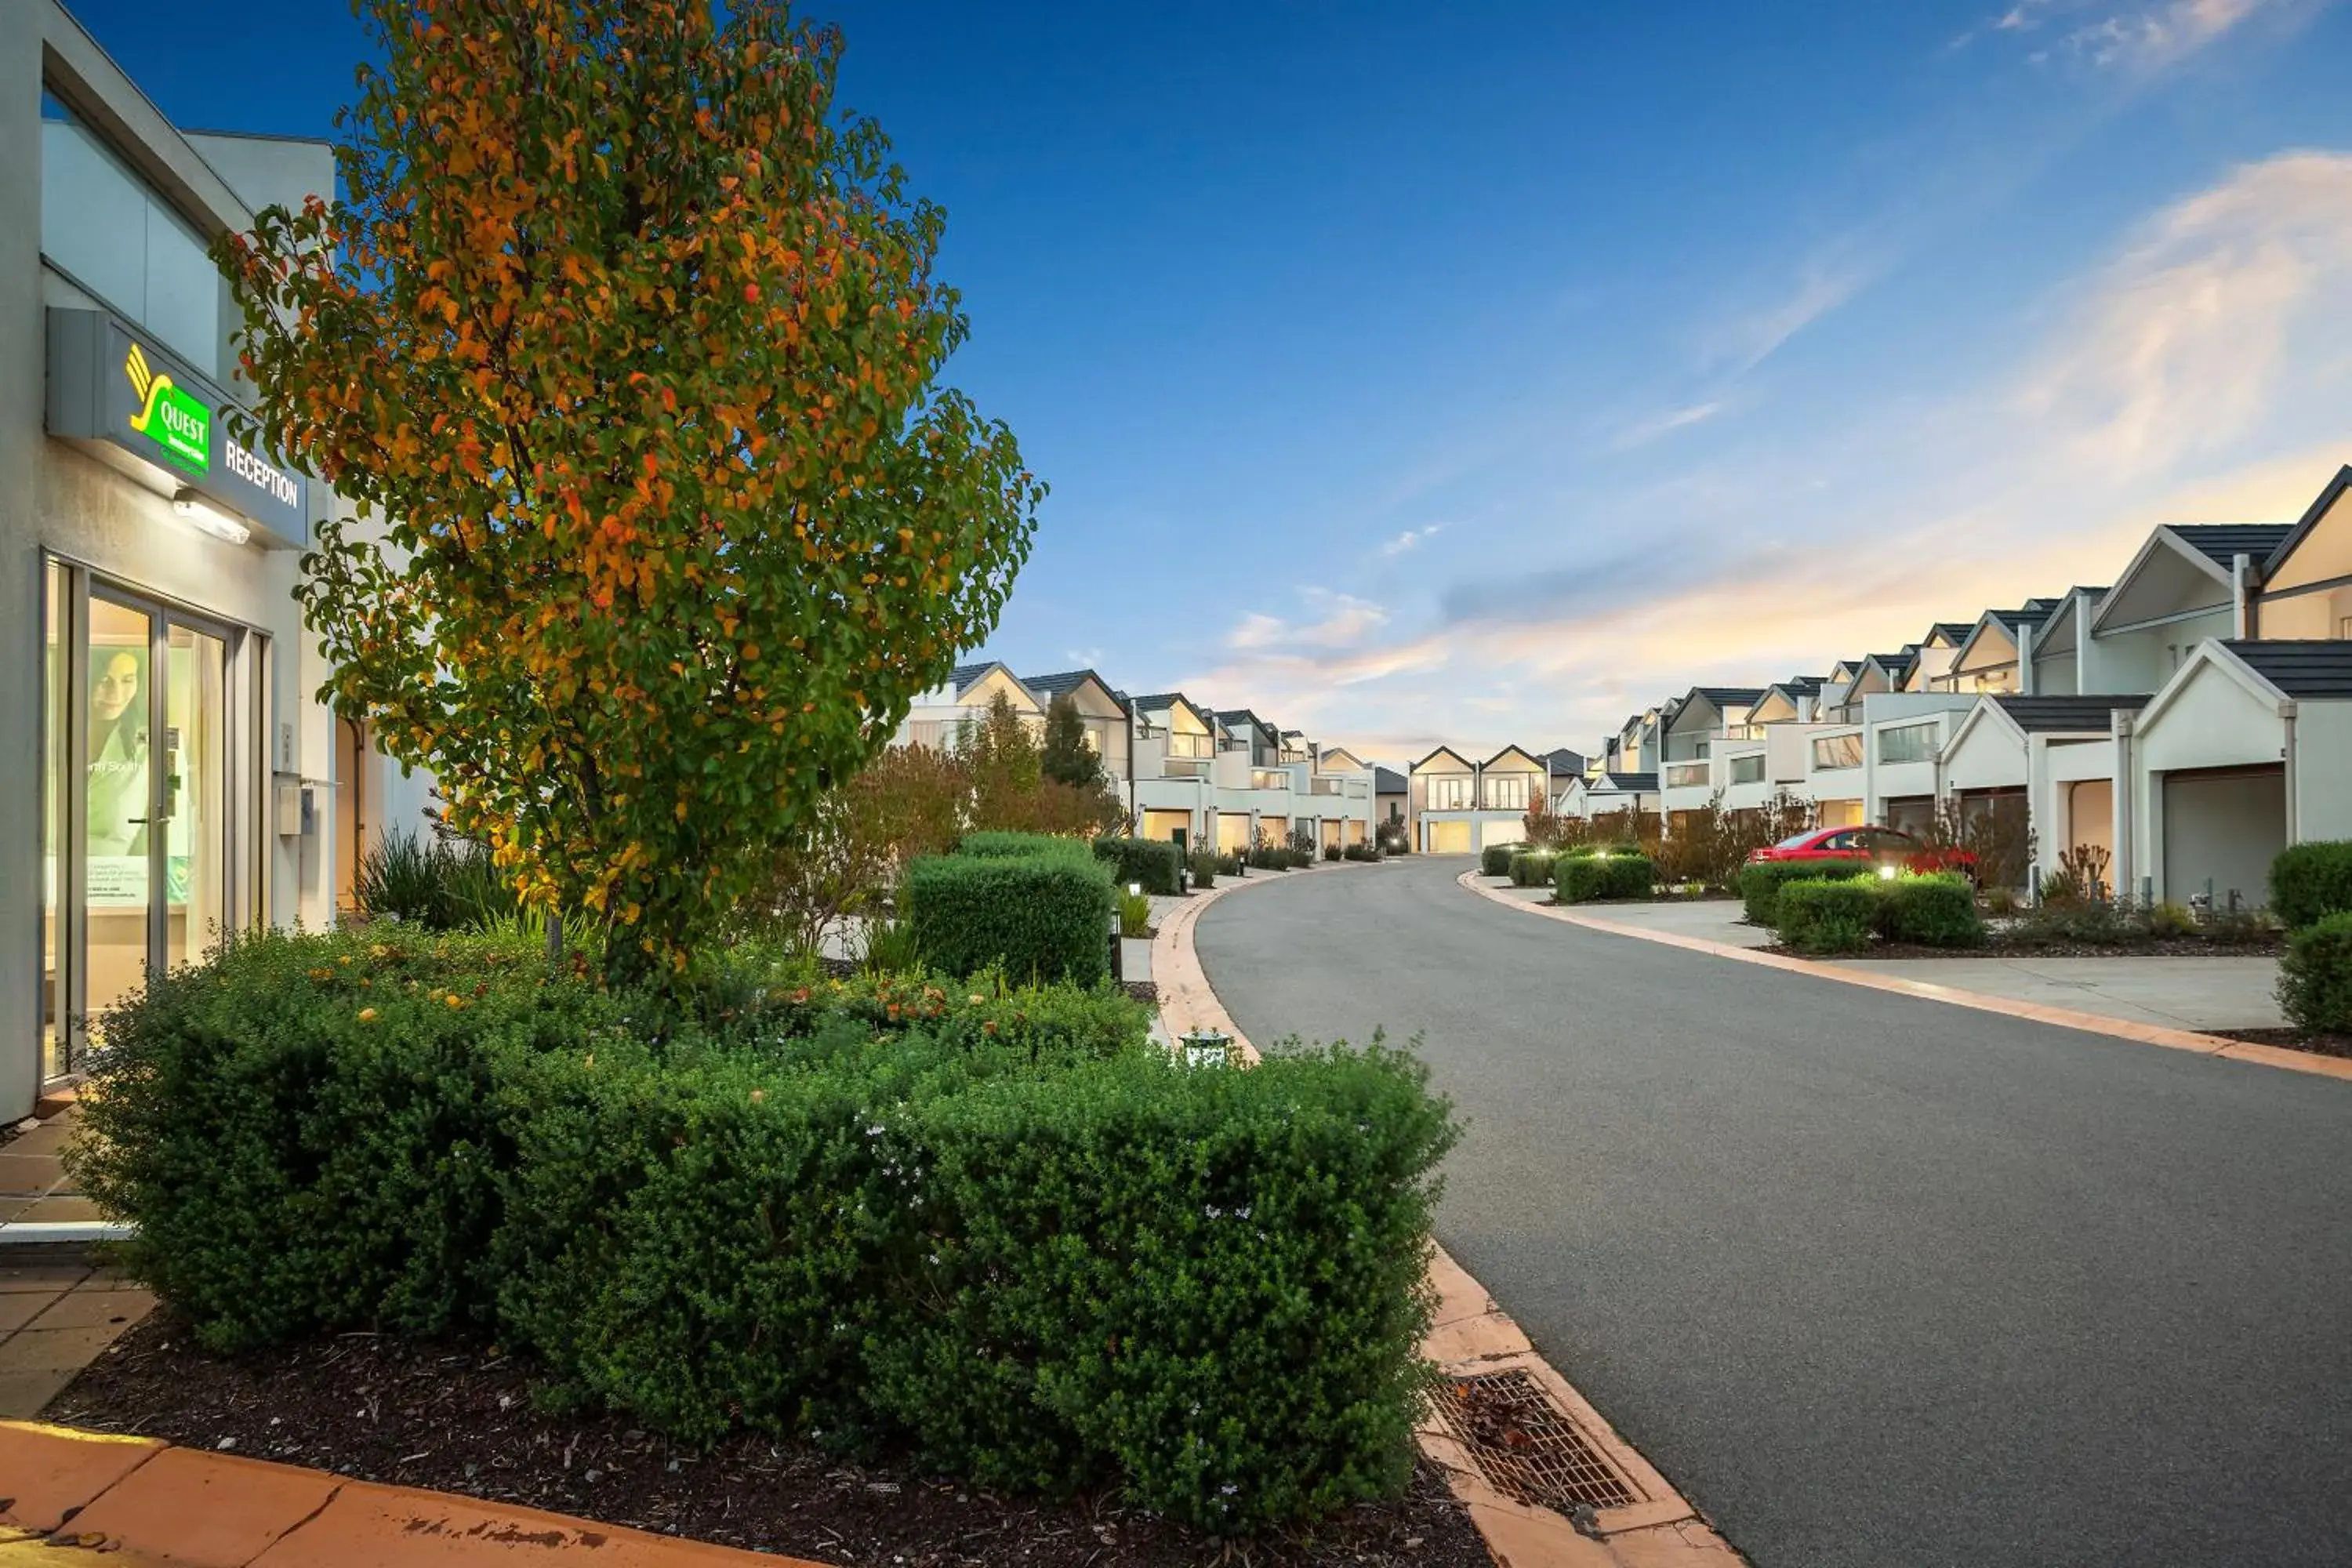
2202, 371
1648, 430
1826, 281
2142, 40
1412, 537
1339, 621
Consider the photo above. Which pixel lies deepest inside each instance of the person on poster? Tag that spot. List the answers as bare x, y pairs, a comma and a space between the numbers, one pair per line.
118, 804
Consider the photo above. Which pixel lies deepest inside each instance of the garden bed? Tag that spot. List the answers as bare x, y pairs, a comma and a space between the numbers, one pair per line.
1999, 947
2321, 1044
462, 1419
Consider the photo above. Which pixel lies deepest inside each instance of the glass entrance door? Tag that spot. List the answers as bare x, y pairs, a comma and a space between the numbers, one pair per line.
149, 736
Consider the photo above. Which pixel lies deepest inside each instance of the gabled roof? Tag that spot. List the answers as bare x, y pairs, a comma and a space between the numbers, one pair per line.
2299, 667
1522, 751
2085, 714
1330, 752
2223, 543
1156, 700
963, 677
2309, 520
1953, 632
1629, 784
1446, 752
1233, 716
1802, 683
1388, 781
1893, 663
1063, 682
1563, 761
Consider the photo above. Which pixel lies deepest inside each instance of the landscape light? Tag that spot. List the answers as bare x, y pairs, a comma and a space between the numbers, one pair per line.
1886, 873
1135, 889
210, 517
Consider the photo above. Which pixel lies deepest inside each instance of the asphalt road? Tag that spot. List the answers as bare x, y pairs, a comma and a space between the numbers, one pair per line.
1878, 1282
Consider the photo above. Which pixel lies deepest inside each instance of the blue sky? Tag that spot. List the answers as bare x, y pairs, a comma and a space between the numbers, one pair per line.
1482, 373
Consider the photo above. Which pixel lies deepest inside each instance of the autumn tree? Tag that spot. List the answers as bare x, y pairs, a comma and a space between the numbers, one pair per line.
1063, 753
624, 343
1005, 762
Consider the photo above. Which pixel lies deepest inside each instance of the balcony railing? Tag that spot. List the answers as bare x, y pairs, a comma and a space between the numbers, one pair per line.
1742, 732
1269, 778
1325, 787
1184, 768
939, 734
1686, 775
1181, 746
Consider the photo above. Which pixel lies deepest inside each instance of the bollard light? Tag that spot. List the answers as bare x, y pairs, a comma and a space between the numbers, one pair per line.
1886, 873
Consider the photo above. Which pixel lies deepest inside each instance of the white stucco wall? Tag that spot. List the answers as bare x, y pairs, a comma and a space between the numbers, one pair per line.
1991, 755
2322, 773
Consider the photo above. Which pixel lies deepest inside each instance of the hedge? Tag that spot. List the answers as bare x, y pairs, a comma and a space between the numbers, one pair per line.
2310, 881
1149, 861
1363, 852
1057, 1263
2314, 984
1614, 847
1578, 878
1041, 915
1495, 859
1531, 868
1931, 911
1817, 916
1761, 884
996, 843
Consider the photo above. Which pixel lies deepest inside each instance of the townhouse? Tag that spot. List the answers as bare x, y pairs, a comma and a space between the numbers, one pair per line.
1223, 777
2186, 721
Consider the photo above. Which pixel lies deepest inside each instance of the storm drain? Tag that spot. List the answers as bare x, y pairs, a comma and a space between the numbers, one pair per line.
1525, 1446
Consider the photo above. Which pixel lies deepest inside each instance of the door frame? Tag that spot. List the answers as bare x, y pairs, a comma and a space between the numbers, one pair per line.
245, 860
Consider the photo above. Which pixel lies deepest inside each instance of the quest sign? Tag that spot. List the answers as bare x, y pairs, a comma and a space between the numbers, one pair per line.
109, 384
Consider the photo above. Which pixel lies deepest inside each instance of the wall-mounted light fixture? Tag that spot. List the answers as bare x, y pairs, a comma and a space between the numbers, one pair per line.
210, 517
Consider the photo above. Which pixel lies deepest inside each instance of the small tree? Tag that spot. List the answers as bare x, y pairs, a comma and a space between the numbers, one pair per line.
1065, 755
629, 339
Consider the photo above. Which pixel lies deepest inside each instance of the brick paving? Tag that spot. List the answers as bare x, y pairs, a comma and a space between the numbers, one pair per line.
59, 1309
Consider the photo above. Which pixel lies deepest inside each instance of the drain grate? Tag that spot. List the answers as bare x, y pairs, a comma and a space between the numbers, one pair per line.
1525, 1446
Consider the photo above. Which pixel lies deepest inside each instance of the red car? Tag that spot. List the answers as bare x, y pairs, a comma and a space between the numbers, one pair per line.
1866, 847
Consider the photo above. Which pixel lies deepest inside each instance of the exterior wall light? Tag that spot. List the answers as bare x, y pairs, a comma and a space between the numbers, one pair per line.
210, 517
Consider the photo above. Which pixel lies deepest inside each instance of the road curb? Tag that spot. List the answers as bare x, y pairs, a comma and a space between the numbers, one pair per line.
1472, 1337
2064, 1017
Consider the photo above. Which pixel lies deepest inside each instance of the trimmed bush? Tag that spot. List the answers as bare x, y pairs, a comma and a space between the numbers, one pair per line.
1149, 861
1330, 852
1932, 912
1027, 1264
1580, 878
2311, 881
1365, 853
1531, 868
1041, 916
997, 845
1205, 865
1494, 860
1818, 916
2315, 985
1760, 884
1610, 847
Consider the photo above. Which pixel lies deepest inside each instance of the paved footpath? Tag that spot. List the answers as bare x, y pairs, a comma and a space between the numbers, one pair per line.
1877, 1282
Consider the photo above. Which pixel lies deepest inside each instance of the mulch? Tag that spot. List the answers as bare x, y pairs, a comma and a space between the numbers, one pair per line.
2162, 947
462, 1419
2321, 1044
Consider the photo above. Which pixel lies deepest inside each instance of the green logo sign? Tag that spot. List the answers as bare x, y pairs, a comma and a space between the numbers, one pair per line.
169, 417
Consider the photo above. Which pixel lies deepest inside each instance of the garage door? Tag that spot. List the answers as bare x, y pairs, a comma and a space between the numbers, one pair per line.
2225, 825
1331, 833
1493, 832
1233, 831
1449, 838
1164, 825
1355, 831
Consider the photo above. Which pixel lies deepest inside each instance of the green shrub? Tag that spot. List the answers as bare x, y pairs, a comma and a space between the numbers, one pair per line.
1330, 852
1026, 1267
1612, 848
1932, 912
996, 843
440, 884
1149, 862
1580, 878
2309, 881
1531, 868
1818, 916
1495, 859
1041, 915
1134, 914
1761, 884
1362, 852
890, 948
2094, 923
2315, 985
1229, 864
2171, 920
1205, 865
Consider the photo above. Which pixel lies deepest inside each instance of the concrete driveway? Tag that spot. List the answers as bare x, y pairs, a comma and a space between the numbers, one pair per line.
1877, 1282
